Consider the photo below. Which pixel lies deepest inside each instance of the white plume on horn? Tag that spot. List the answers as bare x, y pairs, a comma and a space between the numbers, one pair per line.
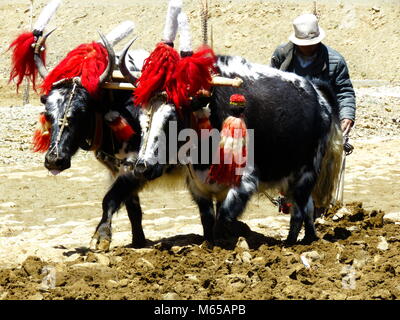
120, 32
47, 13
171, 21
185, 42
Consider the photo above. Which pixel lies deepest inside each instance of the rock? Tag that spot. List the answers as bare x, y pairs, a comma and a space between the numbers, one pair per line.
192, 277
312, 256
341, 213
103, 259
36, 296
112, 284
383, 244
123, 283
383, 294
246, 257
33, 266
361, 259
376, 219
259, 261
144, 264
242, 244
392, 217
171, 296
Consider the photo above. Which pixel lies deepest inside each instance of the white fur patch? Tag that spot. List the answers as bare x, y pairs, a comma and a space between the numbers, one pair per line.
54, 101
185, 41
255, 71
171, 21
152, 128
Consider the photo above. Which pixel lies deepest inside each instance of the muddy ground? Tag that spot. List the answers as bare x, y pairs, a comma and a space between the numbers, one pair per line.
46, 222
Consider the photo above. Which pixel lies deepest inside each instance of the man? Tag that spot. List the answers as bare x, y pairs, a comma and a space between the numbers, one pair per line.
306, 56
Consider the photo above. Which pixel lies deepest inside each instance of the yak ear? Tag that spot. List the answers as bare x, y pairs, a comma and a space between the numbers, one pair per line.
43, 98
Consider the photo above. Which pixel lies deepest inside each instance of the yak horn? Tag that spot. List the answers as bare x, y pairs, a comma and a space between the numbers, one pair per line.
39, 46
111, 60
122, 64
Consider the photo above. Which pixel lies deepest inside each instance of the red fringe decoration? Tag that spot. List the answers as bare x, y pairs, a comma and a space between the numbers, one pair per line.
192, 74
87, 61
233, 153
157, 72
22, 61
42, 135
165, 70
122, 129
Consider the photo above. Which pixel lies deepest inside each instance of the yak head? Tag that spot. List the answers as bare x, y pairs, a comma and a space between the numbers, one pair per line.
70, 101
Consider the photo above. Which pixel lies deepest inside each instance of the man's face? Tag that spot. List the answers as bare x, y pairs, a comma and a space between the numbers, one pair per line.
308, 50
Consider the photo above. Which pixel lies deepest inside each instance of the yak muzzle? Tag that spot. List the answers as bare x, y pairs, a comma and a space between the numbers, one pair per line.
56, 163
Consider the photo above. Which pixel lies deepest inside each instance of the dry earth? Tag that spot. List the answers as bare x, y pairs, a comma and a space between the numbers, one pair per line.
46, 222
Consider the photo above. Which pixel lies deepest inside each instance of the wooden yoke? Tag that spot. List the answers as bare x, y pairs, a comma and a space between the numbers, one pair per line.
119, 82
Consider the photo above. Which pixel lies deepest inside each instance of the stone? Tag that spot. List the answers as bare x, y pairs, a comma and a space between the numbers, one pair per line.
144, 264
242, 244
383, 244
171, 296
112, 284
102, 259
123, 283
392, 217
383, 294
246, 257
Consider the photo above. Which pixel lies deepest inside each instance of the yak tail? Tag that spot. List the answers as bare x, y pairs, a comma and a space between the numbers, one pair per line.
330, 166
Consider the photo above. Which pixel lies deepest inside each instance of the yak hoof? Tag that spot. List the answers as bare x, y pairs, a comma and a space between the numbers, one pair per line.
98, 244
104, 245
231, 229
138, 243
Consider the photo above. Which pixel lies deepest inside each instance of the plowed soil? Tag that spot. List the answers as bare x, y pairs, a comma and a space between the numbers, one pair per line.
46, 222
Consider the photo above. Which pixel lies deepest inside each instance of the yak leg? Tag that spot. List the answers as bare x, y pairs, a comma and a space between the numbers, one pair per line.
207, 213
122, 188
134, 210
233, 206
303, 210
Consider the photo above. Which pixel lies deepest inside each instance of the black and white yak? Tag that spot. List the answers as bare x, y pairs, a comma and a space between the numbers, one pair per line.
103, 121
297, 147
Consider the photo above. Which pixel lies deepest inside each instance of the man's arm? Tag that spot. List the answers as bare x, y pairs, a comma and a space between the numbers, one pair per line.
345, 95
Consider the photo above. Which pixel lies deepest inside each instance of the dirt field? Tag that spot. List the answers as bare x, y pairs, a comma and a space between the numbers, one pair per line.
46, 222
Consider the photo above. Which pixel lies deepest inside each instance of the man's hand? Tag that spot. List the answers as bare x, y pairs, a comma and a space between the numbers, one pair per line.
346, 125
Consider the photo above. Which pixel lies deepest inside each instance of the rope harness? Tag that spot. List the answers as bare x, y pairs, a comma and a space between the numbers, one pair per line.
64, 121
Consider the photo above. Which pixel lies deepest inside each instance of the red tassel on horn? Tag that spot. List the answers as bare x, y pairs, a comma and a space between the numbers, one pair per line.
22, 61
232, 149
42, 135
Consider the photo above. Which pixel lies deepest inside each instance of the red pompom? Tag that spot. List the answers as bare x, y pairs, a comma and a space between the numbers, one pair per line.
192, 74
232, 151
87, 61
157, 73
22, 61
237, 99
122, 129
181, 78
42, 135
